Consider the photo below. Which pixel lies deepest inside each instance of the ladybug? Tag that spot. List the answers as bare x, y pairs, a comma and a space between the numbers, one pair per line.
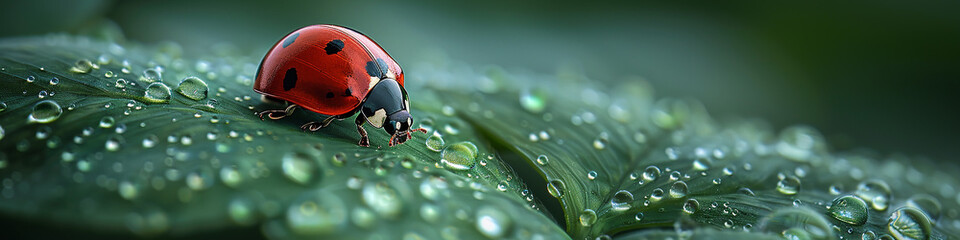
337, 72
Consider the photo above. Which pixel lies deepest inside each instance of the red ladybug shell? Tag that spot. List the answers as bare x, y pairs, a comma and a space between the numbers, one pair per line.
326, 69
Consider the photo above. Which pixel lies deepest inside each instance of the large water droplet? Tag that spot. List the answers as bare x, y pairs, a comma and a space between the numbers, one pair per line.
459, 156
556, 188
849, 209
193, 88
875, 192
788, 185
298, 167
621, 200
45, 111
317, 213
157, 93
678, 189
928, 204
493, 223
908, 223
382, 199
656, 195
588, 217
107, 122
434, 142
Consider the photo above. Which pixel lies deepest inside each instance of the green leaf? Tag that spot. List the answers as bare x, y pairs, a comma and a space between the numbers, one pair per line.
149, 142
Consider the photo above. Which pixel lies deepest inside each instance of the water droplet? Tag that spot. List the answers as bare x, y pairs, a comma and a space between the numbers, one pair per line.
675, 175
193, 88
31, 78
459, 156
556, 188
651, 173
672, 153
298, 167
434, 142
621, 200
928, 204
533, 101
656, 195
493, 223
2, 133
339, 159
54, 81
45, 111
599, 144
317, 213
849, 209
106, 122
876, 193
151, 75
542, 160
83, 66
150, 141
382, 199
691, 206
230, 176
157, 93
802, 223
588, 217
200, 179
638, 217
678, 189
109, 74
798, 143
701, 164
127, 190
113, 143
3, 106
788, 185
241, 211
908, 223
592, 175
502, 186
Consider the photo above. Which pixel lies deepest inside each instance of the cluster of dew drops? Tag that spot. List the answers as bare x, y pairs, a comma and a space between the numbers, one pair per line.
305, 216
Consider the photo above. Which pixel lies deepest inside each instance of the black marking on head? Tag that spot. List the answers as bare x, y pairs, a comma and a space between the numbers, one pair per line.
329, 94
377, 69
334, 46
290, 39
290, 79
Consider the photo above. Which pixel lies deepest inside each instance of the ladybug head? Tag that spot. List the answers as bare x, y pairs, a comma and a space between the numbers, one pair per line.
398, 123
386, 107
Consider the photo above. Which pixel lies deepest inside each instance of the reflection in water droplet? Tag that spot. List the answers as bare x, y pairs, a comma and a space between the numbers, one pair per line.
789, 185
542, 160
678, 189
849, 209
691, 206
157, 93
588, 217
44, 112
556, 188
875, 192
651, 173
908, 223
621, 200
435, 142
592, 175
193, 88
459, 156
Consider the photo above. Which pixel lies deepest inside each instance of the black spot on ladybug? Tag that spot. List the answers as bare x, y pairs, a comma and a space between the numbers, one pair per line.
329, 94
290, 39
347, 93
290, 79
378, 69
334, 46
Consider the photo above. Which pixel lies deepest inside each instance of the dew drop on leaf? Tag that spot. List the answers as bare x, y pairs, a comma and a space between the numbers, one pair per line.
621, 200
788, 185
193, 88
157, 93
459, 156
45, 111
849, 209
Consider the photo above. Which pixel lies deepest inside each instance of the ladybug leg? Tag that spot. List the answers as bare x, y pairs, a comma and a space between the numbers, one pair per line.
314, 126
278, 113
364, 140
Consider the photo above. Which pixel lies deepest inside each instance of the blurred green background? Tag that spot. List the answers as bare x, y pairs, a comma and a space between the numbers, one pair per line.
876, 74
